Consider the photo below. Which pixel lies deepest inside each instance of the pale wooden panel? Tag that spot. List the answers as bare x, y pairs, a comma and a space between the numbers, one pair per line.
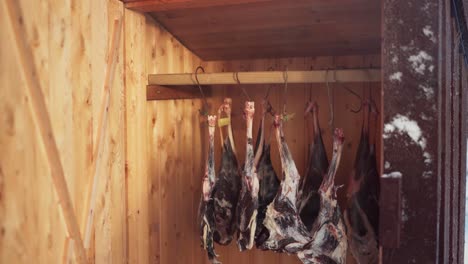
69, 40
32, 229
136, 138
118, 199
101, 223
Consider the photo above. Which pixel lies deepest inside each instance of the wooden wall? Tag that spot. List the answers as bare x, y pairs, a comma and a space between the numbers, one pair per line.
177, 139
155, 151
69, 40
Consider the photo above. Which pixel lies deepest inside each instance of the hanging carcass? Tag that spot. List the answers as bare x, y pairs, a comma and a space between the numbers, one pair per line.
317, 166
329, 242
206, 209
362, 214
268, 180
226, 190
248, 200
326, 243
286, 231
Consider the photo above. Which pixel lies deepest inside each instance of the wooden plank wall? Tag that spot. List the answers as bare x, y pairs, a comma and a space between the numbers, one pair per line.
154, 152
70, 44
177, 139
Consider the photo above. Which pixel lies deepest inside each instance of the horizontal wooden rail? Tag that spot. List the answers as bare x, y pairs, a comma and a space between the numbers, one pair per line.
267, 77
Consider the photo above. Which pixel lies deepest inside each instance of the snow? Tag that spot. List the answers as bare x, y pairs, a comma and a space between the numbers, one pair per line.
395, 76
419, 60
387, 165
427, 30
428, 91
402, 124
393, 174
427, 157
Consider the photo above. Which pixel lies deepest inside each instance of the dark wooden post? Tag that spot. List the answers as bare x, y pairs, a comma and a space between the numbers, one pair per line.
424, 86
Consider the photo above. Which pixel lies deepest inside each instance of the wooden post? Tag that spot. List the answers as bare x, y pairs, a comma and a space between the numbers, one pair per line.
43, 122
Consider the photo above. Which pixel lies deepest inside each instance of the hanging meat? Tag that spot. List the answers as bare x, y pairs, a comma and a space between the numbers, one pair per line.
206, 209
226, 190
362, 215
268, 180
329, 242
286, 231
248, 200
317, 166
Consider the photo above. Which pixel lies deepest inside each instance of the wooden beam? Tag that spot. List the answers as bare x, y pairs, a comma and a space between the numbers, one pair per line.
267, 77
42, 119
100, 134
157, 92
171, 5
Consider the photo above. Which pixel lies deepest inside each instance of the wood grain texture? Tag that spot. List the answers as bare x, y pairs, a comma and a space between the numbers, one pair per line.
136, 138
177, 140
216, 30
69, 43
42, 118
267, 77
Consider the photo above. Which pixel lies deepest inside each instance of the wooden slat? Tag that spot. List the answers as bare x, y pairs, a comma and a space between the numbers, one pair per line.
42, 119
267, 77
136, 138
157, 92
389, 229
214, 31
88, 217
157, 5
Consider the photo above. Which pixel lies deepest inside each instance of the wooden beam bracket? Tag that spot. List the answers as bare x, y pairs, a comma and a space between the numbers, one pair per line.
183, 86
160, 92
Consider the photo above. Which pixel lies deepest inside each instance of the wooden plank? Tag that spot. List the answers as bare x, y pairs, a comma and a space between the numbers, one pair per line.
455, 143
242, 30
159, 92
389, 228
101, 132
446, 173
267, 77
136, 138
81, 87
463, 92
154, 211
116, 200
283, 51
156, 5
277, 18
418, 164
42, 119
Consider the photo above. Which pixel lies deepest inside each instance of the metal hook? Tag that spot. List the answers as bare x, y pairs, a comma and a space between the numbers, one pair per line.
360, 100
236, 78
203, 112
372, 103
310, 89
330, 101
285, 77
269, 87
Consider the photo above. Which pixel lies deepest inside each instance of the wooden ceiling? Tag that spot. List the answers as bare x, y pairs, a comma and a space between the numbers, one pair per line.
246, 29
